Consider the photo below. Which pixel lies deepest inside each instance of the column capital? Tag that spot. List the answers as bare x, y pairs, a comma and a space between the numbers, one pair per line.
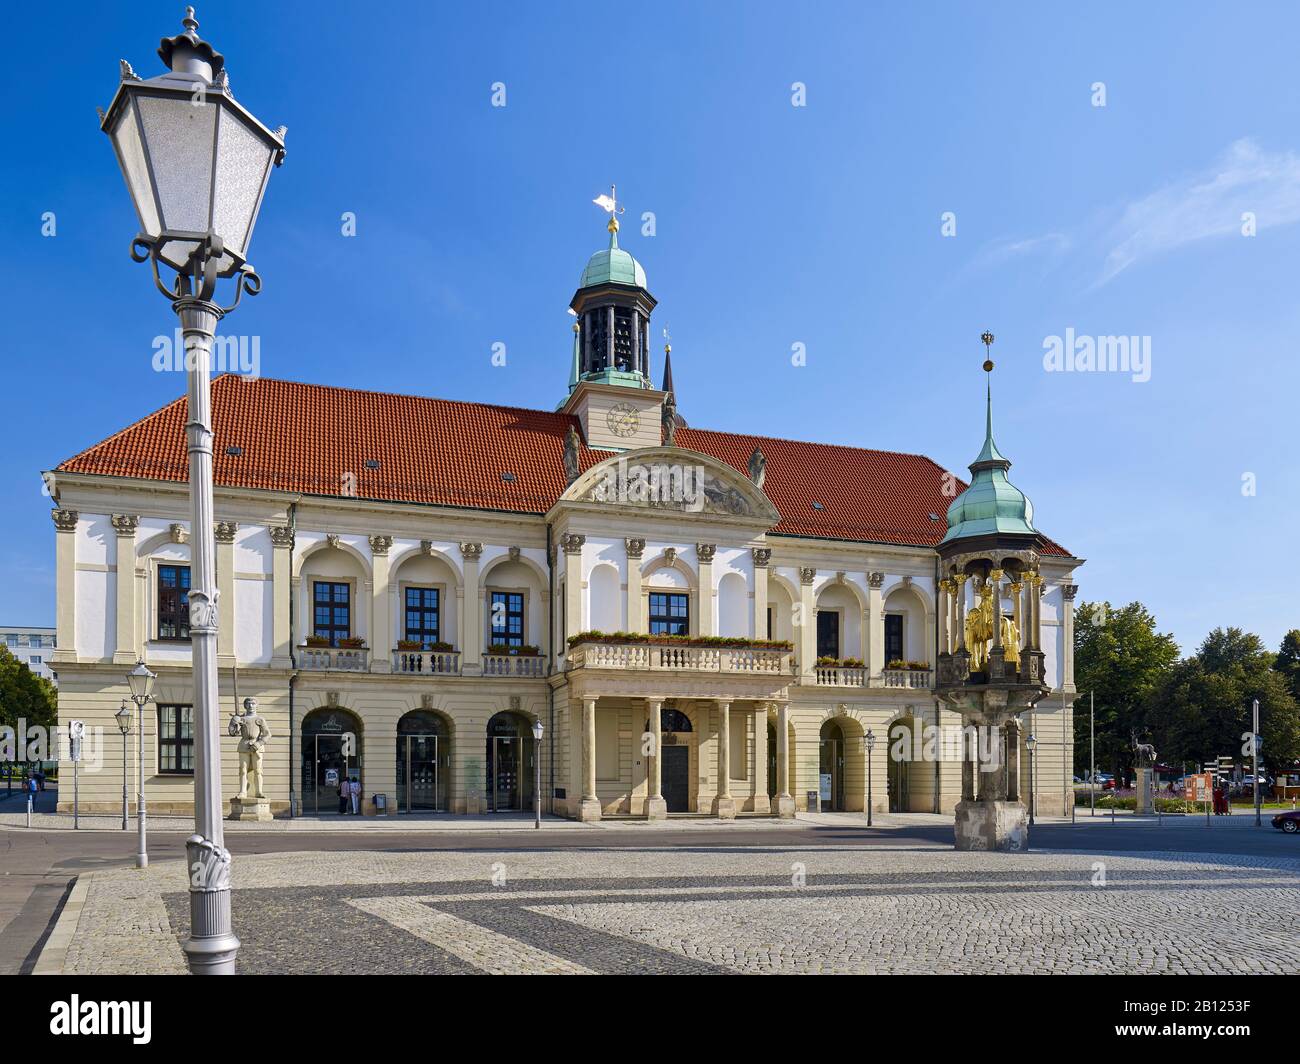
224, 531
64, 520
761, 556
705, 551
125, 524
1068, 590
471, 551
995, 575
723, 703
381, 544
572, 543
635, 547
807, 574
281, 536
876, 580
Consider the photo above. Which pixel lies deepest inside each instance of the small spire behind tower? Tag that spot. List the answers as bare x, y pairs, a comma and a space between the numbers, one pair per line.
678, 420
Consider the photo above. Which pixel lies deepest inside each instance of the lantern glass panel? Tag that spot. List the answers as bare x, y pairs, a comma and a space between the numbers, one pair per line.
243, 160
130, 153
179, 136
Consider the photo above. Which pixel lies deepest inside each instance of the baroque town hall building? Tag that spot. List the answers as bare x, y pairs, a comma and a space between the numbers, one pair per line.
408, 590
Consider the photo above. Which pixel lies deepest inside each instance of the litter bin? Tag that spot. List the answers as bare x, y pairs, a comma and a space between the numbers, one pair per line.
381, 802
814, 802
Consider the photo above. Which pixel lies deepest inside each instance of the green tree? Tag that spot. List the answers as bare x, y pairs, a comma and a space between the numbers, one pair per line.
1288, 661
24, 695
1203, 708
1120, 659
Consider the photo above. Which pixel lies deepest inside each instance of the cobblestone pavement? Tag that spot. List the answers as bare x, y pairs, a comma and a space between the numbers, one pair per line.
702, 910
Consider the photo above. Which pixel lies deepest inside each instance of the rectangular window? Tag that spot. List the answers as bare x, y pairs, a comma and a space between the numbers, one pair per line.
173, 602
332, 611
176, 740
423, 619
669, 613
770, 626
828, 634
507, 619
893, 638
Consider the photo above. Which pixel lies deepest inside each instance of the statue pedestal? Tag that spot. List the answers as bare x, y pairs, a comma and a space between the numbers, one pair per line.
1144, 801
250, 809
995, 825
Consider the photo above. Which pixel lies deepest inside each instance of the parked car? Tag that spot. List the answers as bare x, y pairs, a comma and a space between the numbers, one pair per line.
1288, 821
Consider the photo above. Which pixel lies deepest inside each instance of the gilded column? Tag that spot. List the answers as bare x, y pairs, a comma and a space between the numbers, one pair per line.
65, 541
784, 800
125, 526
635, 549
224, 533
656, 808
590, 806
381, 606
1017, 589
945, 616
471, 651
959, 583
281, 592
761, 556
704, 557
807, 632
995, 585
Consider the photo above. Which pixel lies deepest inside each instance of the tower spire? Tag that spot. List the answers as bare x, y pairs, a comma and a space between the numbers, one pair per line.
989, 453
610, 203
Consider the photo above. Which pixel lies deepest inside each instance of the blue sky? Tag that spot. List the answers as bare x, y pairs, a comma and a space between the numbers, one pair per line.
775, 225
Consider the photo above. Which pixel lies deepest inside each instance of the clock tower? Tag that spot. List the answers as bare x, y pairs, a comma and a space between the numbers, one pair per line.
609, 380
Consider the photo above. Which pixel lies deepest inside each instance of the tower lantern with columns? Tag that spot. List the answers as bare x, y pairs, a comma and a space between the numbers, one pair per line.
990, 666
610, 390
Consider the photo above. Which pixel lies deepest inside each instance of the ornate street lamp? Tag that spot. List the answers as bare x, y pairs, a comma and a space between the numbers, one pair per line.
196, 164
537, 773
140, 680
1030, 743
123, 716
870, 741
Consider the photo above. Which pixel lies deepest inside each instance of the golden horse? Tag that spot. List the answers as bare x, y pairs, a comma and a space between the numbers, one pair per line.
979, 632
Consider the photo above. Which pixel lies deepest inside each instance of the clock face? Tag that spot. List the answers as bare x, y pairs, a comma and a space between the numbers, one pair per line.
623, 419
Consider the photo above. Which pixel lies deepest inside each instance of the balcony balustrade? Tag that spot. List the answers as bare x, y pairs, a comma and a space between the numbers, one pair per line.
427, 662
343, 659
653, 657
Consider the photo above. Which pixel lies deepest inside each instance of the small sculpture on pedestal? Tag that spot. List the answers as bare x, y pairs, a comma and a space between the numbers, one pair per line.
253, 733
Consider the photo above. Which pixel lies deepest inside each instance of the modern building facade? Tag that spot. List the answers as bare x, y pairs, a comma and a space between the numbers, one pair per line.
32, 646
703, 622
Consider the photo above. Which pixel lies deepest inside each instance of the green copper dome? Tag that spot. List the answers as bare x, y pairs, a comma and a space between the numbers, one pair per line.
992, 504
613, 264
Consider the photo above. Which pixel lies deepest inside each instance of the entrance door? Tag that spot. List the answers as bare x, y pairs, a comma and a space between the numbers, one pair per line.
327, 766
831, 781
675, 778
504, 790
417, 773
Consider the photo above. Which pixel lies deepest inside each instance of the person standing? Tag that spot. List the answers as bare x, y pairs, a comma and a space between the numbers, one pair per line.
355, 791
345, 791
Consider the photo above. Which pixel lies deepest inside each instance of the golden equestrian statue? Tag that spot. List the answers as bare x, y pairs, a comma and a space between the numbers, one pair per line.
979, 628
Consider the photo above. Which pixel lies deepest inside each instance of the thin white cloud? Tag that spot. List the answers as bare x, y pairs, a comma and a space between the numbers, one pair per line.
1207, 204
1049, 244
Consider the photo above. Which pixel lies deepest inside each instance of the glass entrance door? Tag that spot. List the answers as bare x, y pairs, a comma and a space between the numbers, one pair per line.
831, 782
326, 764
417, 773
503, 774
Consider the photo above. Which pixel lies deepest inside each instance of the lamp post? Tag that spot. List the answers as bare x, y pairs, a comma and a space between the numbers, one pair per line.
123, 716
197, 164
1030, 743
141, 681
870, 741
537, 774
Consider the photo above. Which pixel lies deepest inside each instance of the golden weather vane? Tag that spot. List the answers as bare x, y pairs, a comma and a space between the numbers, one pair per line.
610, 203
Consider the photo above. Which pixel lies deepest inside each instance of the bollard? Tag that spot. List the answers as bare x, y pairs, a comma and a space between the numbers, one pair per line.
29, 810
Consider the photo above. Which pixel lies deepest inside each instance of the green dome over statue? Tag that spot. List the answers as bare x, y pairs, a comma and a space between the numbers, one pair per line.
992, 505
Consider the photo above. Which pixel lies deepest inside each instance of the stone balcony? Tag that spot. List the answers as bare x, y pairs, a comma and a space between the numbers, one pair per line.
527, 665
342, 659
426, 662
846, 676
656, 657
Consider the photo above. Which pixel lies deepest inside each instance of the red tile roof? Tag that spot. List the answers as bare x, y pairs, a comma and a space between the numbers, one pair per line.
307, 438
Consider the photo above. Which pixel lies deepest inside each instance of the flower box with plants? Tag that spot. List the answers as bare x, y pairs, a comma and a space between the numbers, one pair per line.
352, 642
913, 666
728, 642
317, 641
433, 648
526, 651
839, 663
